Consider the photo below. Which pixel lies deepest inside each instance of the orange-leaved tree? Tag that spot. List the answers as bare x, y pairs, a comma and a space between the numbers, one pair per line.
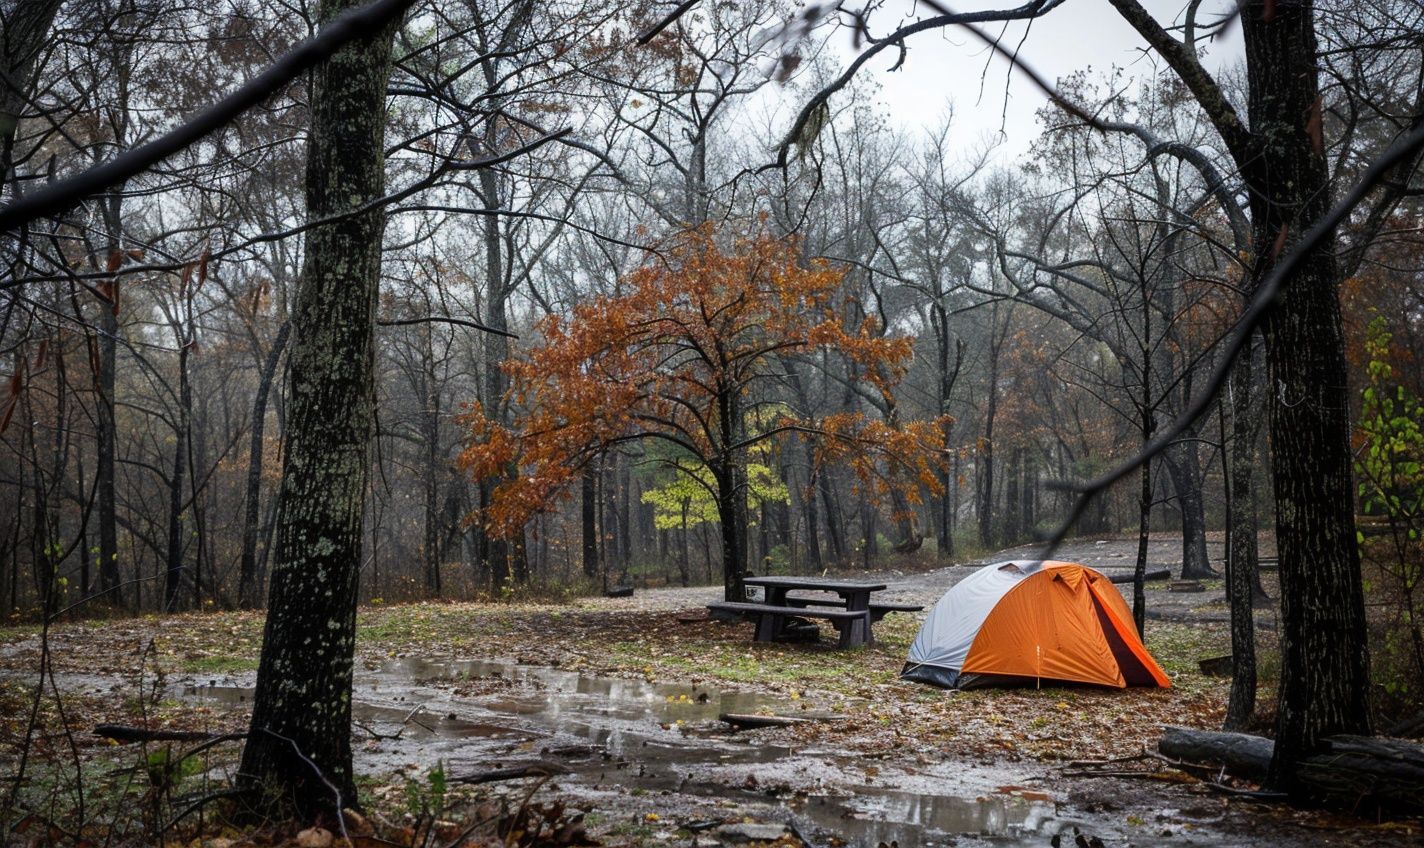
692, 355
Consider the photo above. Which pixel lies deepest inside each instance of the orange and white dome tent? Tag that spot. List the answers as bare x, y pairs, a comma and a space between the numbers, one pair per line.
1027, 622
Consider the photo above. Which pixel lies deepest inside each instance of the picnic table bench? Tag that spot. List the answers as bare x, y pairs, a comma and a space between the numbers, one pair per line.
853, 626
852, 614
877, 611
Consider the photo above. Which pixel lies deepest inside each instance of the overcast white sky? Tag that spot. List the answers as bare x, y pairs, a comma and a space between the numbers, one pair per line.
947, 65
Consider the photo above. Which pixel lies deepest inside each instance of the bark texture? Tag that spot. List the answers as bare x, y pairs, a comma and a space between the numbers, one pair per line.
1325, 665
1241, 549
1184, 467
299, 747
1280, 155
22, 38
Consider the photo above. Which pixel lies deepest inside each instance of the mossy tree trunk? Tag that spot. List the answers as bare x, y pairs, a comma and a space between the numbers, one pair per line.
298, 752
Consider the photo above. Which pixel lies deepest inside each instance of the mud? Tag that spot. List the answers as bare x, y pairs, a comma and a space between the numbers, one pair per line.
623, 747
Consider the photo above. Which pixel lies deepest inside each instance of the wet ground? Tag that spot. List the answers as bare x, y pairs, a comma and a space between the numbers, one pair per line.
621, 746
652, 764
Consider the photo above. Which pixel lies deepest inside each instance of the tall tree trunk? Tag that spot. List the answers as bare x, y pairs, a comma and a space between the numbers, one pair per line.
430, 426
589, 515
1144, 531
298, 751
984, 463
1184, 467
496, 350
835, 529
948, 375
106, 455
250, 582
944, 514
173, 577
684, 560
199, 497
1012, 476
870, 541
1028, 493
1147, 425
763, 538
1241, 551
813, 517
1325, 683
624, 514
734, 536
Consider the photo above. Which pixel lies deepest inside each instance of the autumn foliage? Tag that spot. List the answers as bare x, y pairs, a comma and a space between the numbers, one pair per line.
692, 355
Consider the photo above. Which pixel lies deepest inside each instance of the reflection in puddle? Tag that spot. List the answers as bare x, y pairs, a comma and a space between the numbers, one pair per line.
652, 737
878, 816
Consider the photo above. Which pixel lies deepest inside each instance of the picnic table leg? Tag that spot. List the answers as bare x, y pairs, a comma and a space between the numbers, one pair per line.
860, 627
768, 627
852, 632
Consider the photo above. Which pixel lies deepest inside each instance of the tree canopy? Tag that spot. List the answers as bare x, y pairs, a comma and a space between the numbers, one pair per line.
692, 353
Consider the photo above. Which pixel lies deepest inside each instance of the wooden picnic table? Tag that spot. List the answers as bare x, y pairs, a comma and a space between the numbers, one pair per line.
855, 594
852, 614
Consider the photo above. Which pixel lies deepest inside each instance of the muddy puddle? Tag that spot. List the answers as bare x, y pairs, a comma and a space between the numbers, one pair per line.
614, 741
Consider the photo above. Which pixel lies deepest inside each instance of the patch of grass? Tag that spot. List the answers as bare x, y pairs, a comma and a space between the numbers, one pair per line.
774, 666
632, 830
1178, 646
18, 633
218, 664
446, 625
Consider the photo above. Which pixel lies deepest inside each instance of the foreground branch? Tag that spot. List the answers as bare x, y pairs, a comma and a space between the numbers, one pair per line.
60, 196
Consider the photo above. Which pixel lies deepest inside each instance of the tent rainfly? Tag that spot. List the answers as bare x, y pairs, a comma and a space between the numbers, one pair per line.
1030, 622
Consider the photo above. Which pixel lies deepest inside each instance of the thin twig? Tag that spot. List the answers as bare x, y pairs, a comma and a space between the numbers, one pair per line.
1162, 777
321, 775
1012, 57
199, 804
440, 319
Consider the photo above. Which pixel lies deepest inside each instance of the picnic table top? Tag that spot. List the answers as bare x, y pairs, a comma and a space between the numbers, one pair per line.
824, 584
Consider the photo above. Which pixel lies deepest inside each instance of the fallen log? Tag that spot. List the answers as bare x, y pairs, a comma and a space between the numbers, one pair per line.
745, 721
1127, 577
1216, 666
1350, 771
751, 722
494, 775
1242, 754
